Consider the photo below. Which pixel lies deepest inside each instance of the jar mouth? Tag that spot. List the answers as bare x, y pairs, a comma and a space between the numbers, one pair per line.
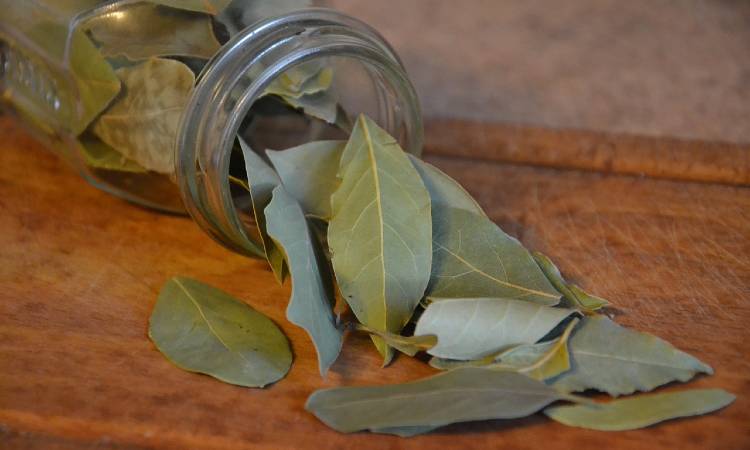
239, 75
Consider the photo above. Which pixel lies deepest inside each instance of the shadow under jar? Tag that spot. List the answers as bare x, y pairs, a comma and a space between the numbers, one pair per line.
147, 99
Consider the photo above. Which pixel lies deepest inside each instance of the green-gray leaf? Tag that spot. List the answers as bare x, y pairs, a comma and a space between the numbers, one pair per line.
142, 124
459, 395
99, 155
145, 30
619, 361
262, 180
309, 174
472, 328
212, 7
311, 304
202, 329
641, 411
380, 231
473, 257
445, 192
573, 296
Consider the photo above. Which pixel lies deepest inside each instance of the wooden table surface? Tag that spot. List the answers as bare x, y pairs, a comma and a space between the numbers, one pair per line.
659, 227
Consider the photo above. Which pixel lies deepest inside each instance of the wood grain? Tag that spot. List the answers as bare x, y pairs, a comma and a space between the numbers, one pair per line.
80, 272
669, 158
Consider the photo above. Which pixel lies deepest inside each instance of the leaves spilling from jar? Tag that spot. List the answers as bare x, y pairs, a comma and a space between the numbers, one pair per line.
142, 123
380, 230
145, 30
202, 329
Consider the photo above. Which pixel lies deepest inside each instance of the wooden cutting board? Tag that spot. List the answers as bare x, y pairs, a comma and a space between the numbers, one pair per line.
659, 227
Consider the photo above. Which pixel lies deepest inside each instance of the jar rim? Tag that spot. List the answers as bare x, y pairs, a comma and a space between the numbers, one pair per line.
224, 95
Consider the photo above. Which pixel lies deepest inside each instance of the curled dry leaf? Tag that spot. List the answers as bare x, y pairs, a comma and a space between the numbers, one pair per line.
472, 328
142, 123
311, 304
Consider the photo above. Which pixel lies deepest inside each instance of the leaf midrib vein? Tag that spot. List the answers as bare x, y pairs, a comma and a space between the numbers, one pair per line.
485, 274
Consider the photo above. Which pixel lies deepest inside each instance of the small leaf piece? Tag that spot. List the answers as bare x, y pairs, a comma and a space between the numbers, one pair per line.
472, 328
619, 361
311, 304
202, 329
380, 231
409, 345
309, 174
142, 124
641, 411
262, 180
445, 192
473, 257
459, 395
99, 155
145, 30
573, 296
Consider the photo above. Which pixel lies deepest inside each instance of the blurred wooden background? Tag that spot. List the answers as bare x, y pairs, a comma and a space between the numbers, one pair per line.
650, 67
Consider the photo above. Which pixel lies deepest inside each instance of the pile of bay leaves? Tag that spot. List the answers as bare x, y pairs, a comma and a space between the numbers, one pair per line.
405, 247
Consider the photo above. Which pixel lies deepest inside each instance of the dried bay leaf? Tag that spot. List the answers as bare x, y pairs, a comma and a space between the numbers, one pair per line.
306, 79
99, 155
445, 192
459, 395
202, 329
573, 296
147, 30
380, 231
322, 106
95, 82
262, 180
409, 345
309, 174
212, 7
311, 304
142, 123
472, 328
619, 361
473, 257
641, 411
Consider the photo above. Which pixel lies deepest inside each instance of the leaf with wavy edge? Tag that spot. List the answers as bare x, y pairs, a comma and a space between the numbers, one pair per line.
473, 257
262, 180
472, 328
573, 296
641, 411
311, 304
459, 395
142, 124
619, 361
145, 30
309, 174
380, 231
202, 329
445, 192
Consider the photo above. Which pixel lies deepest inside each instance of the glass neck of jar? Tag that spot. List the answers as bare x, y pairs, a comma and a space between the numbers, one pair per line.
240, 74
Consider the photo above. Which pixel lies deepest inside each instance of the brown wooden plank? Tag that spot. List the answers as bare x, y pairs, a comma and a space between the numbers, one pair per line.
80, 271
657, 157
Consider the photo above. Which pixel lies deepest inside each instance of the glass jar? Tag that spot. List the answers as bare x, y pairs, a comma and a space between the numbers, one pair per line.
146, 99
